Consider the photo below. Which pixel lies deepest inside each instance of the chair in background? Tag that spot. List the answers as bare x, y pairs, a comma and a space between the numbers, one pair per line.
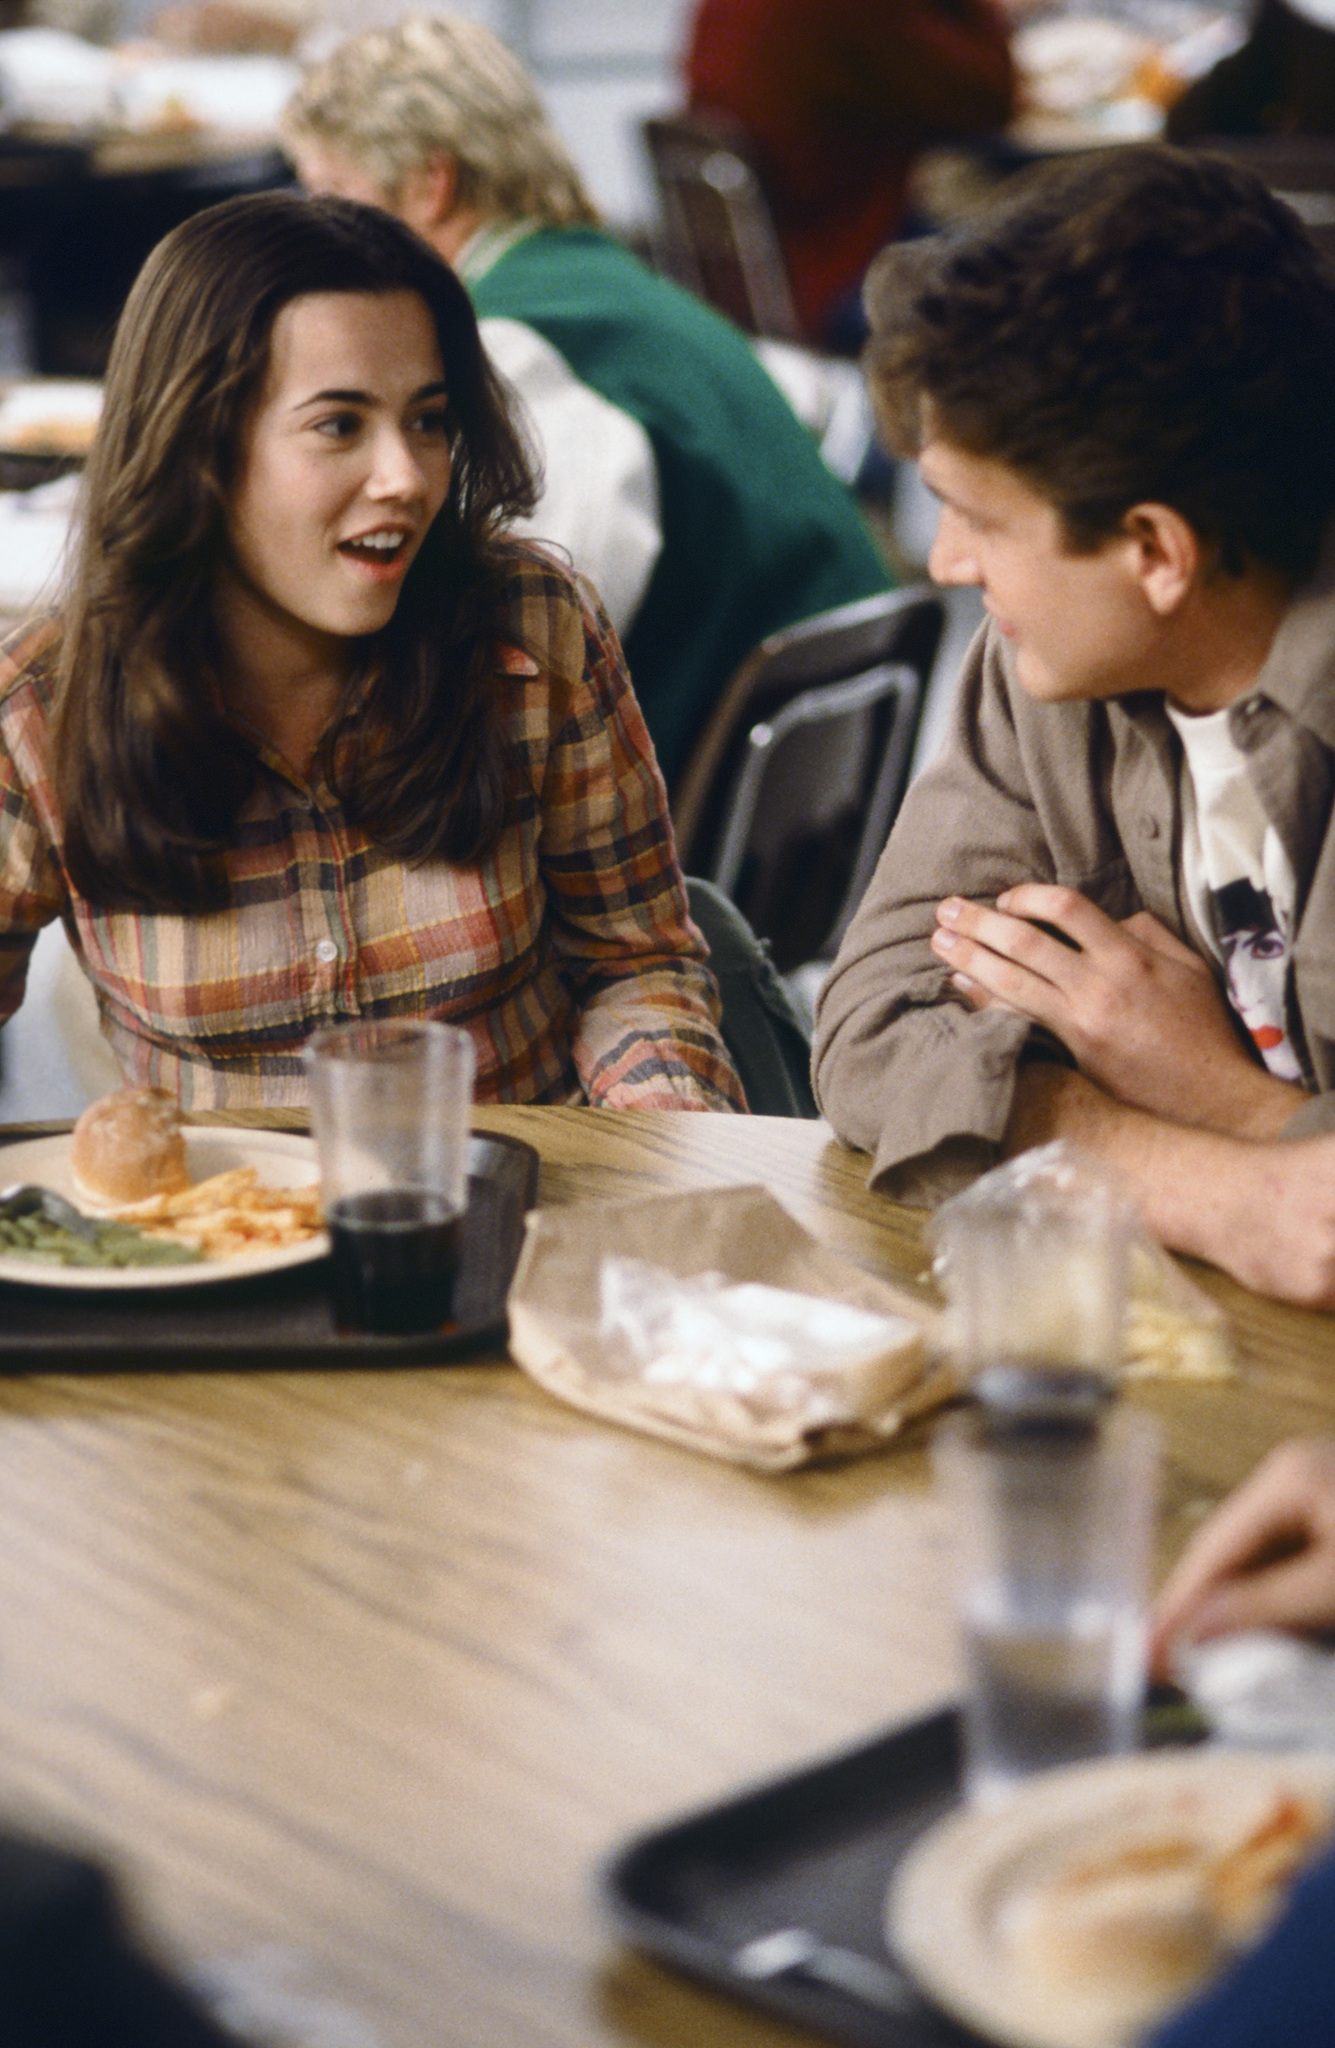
1299, 169
794, 786
769, 1043
715, 234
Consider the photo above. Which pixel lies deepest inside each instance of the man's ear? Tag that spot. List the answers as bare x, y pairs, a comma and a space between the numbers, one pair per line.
428, 194
1167, 556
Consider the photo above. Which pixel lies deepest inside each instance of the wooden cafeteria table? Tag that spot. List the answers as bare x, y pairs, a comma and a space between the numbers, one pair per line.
356, 1676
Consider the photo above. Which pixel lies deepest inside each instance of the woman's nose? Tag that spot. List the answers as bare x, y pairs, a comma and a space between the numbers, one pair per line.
395, 472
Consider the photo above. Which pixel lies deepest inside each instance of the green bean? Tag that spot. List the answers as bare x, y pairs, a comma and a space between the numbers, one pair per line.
33, 1238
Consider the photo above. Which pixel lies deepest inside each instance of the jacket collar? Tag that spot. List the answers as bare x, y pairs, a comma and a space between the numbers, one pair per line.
1299, 671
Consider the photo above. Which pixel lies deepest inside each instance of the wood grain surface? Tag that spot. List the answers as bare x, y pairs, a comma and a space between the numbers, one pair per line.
356, 1677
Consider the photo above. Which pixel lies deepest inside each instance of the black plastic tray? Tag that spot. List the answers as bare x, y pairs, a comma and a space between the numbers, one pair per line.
776, 1897
276, 1318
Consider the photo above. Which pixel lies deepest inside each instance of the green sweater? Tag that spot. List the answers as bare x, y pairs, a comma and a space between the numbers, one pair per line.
757, 532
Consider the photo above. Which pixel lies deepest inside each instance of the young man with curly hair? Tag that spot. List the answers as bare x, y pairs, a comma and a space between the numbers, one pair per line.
1107, 913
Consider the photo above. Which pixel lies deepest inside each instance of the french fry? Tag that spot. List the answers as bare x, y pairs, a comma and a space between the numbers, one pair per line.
230, 1214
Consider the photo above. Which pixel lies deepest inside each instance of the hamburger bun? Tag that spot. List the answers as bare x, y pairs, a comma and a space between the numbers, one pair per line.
128, 1147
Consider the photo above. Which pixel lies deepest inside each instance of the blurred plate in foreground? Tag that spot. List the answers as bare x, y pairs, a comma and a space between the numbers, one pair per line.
1107, 1893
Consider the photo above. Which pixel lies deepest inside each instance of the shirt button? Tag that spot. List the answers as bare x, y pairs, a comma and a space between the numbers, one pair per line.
327, 951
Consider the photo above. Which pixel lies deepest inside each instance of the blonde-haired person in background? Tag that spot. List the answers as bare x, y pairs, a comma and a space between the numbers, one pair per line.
675, 473
391, 104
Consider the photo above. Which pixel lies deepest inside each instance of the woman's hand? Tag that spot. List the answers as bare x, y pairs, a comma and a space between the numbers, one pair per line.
1265, 1559
1138, 1010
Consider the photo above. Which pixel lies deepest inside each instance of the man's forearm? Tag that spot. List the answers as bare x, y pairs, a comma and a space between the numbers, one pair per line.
1263, 1211
1164, 1162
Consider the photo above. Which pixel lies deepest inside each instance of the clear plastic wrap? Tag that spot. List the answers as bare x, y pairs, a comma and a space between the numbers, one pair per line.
1028, 1254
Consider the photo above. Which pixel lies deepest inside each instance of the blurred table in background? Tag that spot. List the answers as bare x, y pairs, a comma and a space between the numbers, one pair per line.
355, 1677
78, 219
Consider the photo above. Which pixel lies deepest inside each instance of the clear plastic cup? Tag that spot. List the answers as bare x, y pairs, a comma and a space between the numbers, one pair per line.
1053, 1496
391, 1110
1034, 1259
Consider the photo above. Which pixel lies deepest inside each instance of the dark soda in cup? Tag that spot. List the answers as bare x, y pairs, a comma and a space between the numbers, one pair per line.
395, 1257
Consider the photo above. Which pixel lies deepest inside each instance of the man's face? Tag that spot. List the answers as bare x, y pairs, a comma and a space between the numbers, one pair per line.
1079, 624
323, 171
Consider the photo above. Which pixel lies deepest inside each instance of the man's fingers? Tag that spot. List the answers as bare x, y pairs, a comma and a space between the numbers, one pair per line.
1064, 909
1015, 939
984, 976
1239, 1595
975, 995
1244, 1531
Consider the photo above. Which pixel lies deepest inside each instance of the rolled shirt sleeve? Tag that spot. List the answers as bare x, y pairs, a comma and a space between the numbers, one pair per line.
647, 1029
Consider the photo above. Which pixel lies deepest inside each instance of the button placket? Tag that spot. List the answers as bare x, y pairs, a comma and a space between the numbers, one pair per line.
329, 952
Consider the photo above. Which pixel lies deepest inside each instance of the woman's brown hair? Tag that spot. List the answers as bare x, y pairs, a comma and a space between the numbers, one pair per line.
149, 774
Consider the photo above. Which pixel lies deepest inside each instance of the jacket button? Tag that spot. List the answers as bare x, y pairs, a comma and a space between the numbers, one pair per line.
327, 951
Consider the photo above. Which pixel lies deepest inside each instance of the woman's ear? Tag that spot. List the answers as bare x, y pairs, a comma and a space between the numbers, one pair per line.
1167, 555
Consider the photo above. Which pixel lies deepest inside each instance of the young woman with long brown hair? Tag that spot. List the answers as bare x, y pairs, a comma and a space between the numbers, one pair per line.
311, 738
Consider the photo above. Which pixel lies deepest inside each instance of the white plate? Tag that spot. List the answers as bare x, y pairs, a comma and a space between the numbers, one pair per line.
955, 1898
283, 1159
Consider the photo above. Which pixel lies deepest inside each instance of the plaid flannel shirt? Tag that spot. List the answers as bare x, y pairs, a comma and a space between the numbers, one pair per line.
567, 951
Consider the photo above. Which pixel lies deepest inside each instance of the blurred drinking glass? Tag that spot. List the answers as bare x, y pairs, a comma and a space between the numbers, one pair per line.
1034, 1259
390, 1108
1052, 1492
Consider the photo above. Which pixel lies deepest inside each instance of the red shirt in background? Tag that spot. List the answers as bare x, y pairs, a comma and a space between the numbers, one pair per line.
838, 96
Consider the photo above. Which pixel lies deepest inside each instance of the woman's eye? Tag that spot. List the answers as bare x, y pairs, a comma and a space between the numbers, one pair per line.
339, 426
435, 421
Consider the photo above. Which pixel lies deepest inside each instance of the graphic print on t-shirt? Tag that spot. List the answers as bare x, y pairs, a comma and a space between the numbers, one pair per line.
1256, 965
1239, 880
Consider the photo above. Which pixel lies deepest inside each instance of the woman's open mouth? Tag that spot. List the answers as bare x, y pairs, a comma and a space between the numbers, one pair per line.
385, 552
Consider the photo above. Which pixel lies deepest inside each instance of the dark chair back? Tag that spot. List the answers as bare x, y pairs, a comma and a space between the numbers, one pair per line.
715, 234
792, 791
761, 1028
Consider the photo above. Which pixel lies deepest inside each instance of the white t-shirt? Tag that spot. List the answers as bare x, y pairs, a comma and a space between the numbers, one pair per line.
599, 493
1239, 881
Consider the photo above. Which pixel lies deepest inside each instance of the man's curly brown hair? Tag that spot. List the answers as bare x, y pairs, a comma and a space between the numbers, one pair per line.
1145, 325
